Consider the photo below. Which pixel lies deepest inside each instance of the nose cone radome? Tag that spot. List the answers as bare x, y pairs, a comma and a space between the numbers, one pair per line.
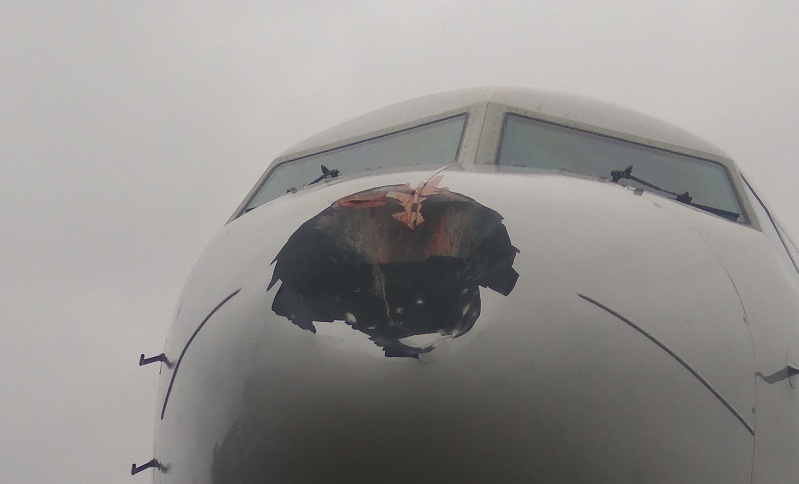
446, 333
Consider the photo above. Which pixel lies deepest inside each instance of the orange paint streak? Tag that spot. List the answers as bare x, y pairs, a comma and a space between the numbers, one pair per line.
365, 200
409, 199
411, 202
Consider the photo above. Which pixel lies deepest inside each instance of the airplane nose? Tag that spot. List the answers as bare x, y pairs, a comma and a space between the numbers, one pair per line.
584, 335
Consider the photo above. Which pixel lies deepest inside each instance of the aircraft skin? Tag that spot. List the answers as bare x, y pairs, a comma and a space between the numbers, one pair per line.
474, 322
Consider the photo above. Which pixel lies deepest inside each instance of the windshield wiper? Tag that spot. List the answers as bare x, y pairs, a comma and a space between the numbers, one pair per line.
685, 198
617, 175
326, 173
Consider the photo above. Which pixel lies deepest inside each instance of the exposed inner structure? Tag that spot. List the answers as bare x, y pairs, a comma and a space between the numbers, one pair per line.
395, 262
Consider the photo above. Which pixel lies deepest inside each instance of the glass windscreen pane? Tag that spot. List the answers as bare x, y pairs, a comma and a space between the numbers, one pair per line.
433, 144
536, 144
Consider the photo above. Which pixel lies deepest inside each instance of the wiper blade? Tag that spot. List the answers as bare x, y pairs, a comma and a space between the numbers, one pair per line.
326, 174
617, 175
685, 198
718, 211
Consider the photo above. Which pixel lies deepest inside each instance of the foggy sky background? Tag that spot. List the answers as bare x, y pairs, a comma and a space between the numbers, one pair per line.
129, 131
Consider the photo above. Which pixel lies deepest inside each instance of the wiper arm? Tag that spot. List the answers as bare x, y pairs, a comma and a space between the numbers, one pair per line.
617, 175
326, 173
685, 198
718, 211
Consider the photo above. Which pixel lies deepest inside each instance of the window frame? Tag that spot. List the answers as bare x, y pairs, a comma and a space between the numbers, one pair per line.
776, 226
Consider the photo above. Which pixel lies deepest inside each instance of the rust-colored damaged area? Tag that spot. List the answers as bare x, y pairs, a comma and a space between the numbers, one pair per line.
395, 262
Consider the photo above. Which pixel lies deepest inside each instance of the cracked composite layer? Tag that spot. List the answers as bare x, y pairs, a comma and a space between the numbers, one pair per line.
395, 263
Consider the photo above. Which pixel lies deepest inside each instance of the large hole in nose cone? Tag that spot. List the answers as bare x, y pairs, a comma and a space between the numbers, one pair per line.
402, 265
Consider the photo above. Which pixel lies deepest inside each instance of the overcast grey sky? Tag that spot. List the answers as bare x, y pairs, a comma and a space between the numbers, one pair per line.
129, 131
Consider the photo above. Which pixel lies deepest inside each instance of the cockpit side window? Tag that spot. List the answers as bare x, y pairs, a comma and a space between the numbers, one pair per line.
532, 143
435, 144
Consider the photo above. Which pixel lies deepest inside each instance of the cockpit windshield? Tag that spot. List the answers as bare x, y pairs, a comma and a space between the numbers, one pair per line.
433, 144
704, 184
